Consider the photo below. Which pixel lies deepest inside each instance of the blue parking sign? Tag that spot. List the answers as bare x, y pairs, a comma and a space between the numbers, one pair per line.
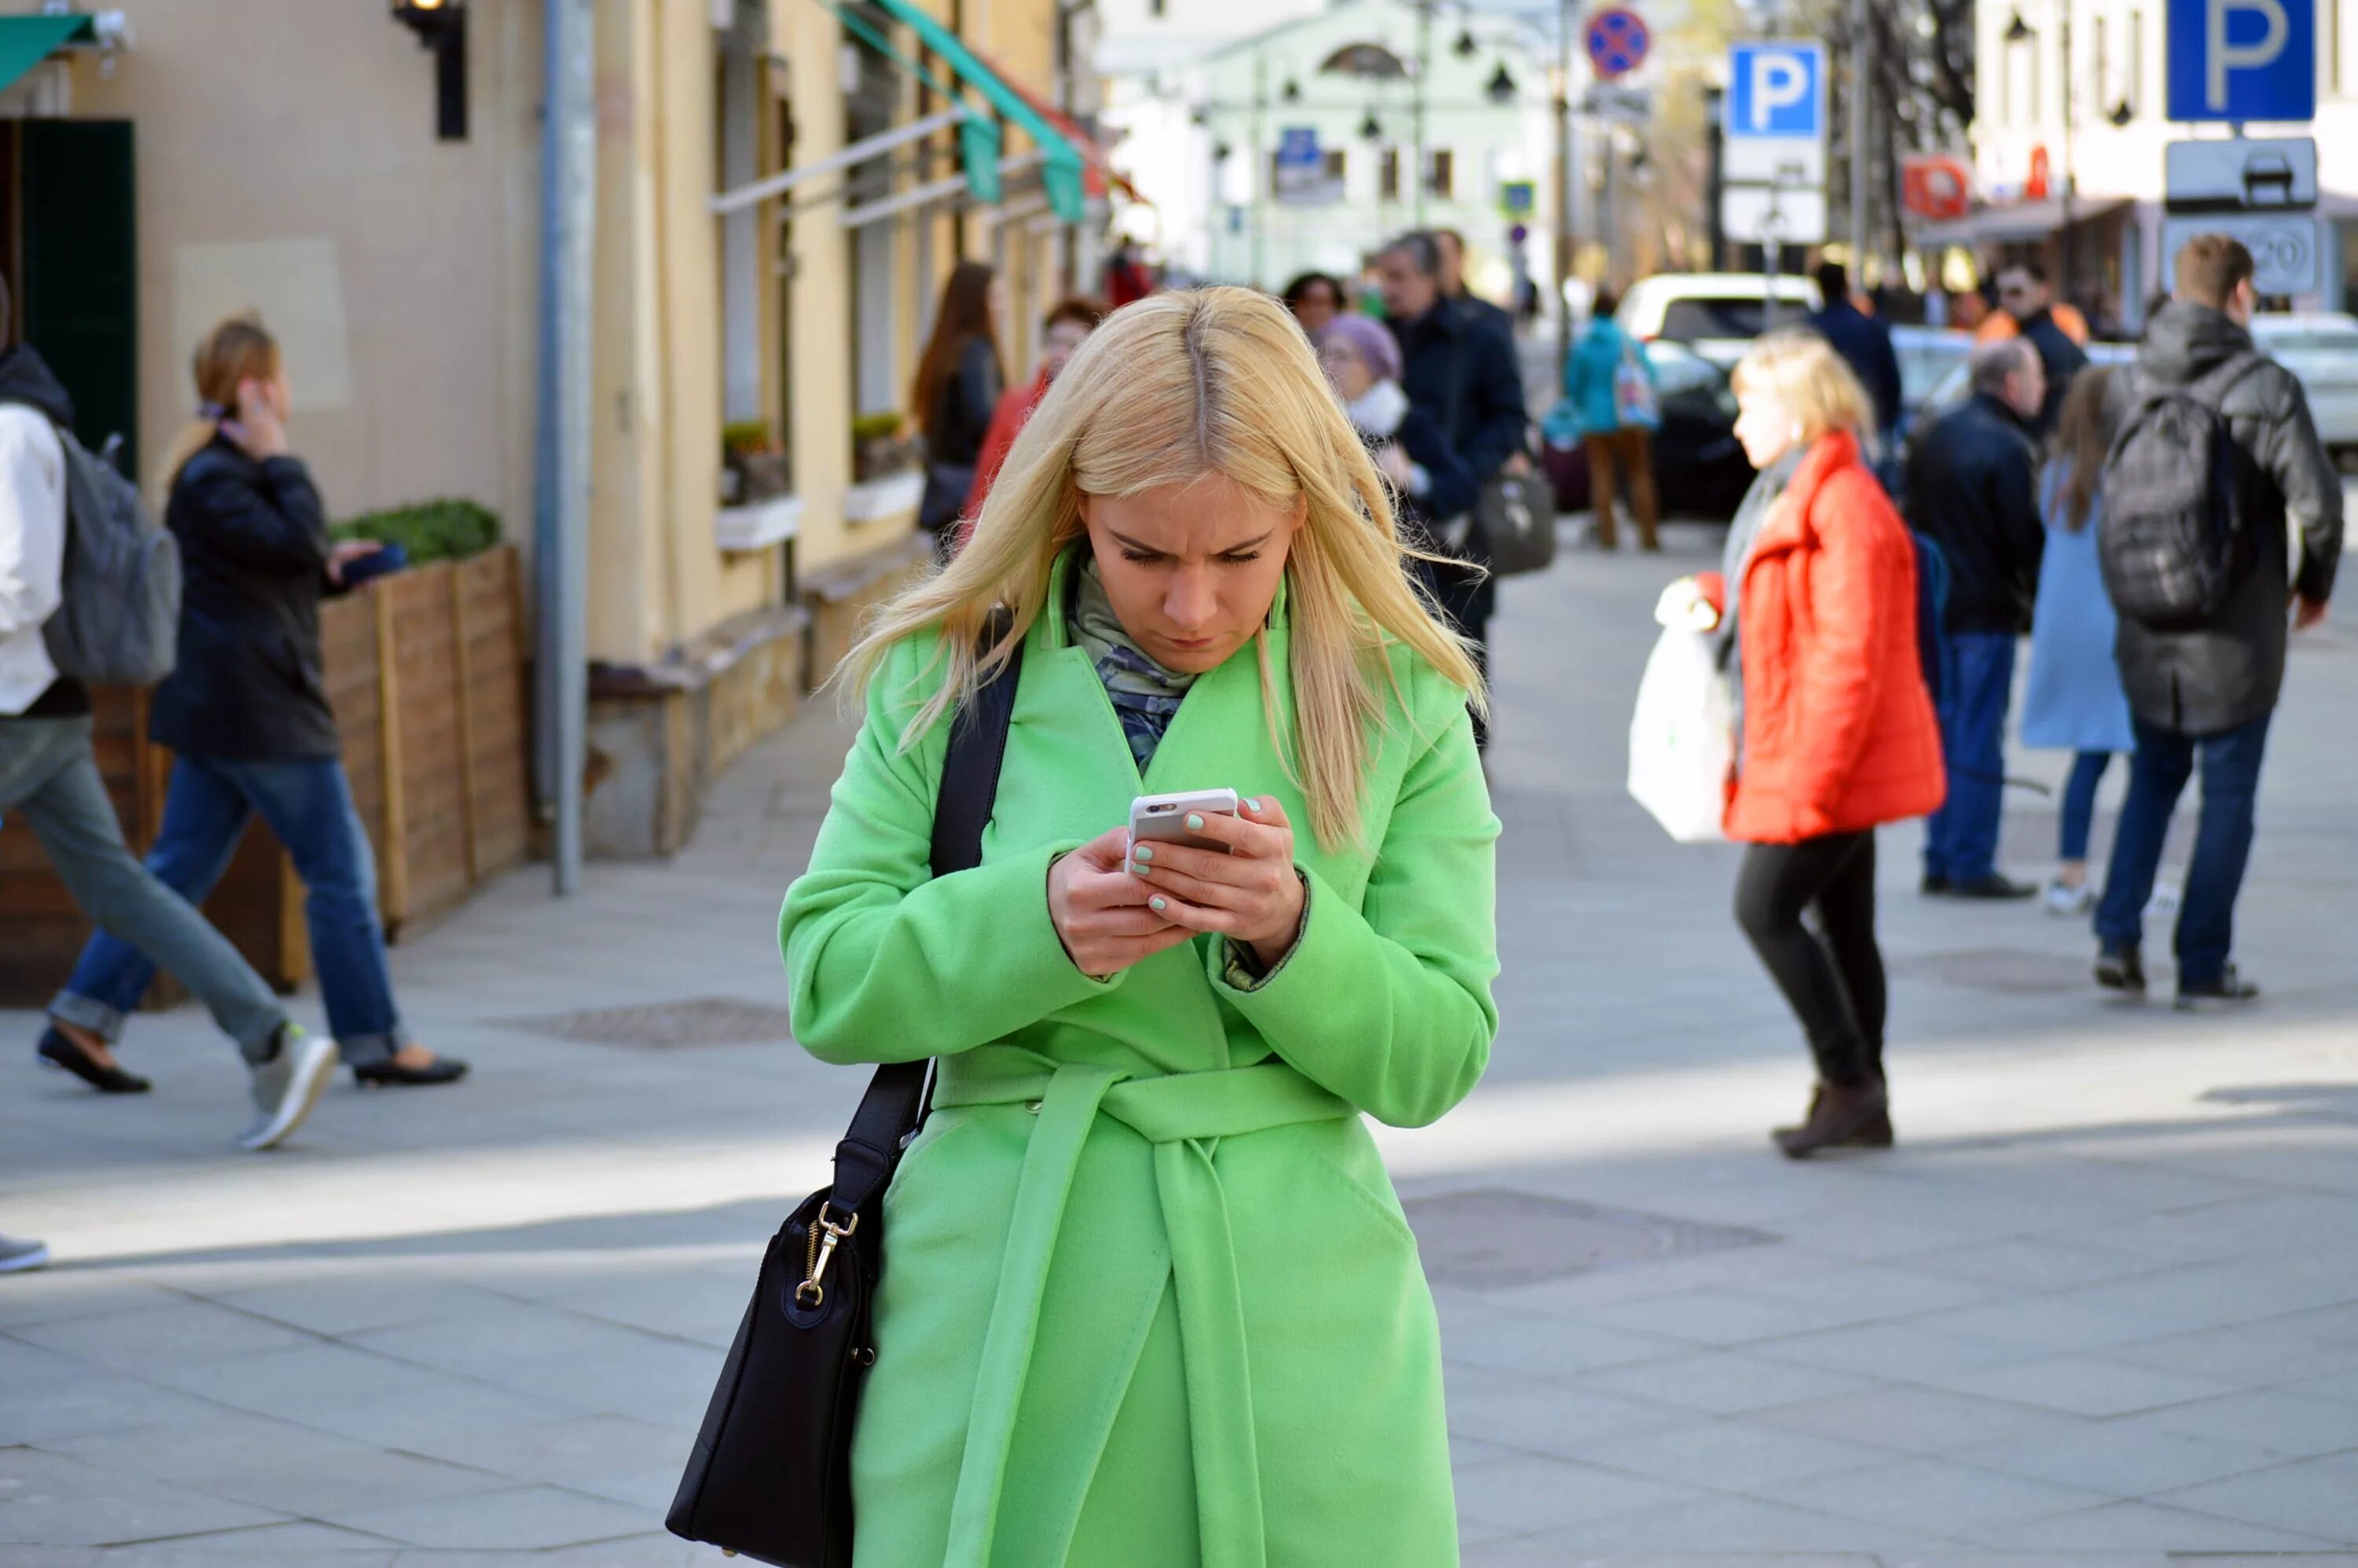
2243, 60
1777, 89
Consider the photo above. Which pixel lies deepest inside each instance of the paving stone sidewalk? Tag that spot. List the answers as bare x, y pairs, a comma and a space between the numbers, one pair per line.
2099, 1307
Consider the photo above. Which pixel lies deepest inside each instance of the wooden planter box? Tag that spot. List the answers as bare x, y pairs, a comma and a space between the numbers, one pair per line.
425, 670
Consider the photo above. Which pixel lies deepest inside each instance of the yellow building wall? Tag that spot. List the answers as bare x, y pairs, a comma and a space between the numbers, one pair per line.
286, 162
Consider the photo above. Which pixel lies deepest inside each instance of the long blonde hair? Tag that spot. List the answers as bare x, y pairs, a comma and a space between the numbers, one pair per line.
1170, 388
238, 350
1801, 371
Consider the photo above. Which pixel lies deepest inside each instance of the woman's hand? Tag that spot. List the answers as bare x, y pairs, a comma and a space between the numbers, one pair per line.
1684, 604
258, 429
1099, 910
1251, 894
346, 551
1394, 464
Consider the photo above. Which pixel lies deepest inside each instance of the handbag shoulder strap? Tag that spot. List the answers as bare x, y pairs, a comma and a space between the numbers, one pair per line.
895, 1106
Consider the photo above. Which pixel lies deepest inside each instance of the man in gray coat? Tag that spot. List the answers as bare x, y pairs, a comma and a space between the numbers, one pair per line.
2207, 694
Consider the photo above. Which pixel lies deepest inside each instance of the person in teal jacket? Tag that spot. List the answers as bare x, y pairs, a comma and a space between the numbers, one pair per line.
1150, 1300
1619, 440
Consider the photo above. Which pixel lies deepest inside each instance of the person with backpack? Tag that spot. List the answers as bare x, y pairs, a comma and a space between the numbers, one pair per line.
1836, 730
1973, 489
2074, 697
49, 772
2215, 464
245, 713
1609, 385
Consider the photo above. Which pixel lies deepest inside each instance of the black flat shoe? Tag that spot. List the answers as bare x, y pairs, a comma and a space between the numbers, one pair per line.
389, 1074
59, 1051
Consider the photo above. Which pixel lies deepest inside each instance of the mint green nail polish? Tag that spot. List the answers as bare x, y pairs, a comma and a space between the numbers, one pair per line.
1139, 871
1146, 851
1155, 904
1194, 823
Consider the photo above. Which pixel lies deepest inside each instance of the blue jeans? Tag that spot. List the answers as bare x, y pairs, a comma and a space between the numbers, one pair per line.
309, 805
1961, 839
2079, 803
2165, 760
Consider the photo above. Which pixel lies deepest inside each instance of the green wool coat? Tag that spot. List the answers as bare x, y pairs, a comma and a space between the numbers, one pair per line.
1149, 1298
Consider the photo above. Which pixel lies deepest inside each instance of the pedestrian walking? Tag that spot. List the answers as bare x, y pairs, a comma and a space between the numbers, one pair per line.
2203, 689
2072, 698
1127, 276
955, 393
1838, 731
2055, 330
246, 714
1461, 375
49, 774
1610, 384
1973, 489
1069, 321
1315, 298
1149, 1296
1863, 342
1429, 483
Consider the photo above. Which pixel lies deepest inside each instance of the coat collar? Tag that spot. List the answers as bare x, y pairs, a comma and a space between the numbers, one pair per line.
1788, 516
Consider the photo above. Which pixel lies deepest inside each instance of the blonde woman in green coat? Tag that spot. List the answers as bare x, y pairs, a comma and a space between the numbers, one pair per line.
1149, 1298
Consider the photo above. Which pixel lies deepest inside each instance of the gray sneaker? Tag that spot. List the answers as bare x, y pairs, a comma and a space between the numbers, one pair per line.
286, 1086
17, 1254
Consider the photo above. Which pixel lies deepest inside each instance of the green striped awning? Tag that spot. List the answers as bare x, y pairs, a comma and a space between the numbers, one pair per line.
1062, 175
26, 41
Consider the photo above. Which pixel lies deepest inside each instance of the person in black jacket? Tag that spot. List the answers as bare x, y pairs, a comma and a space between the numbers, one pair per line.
1973, 489
246, 714
1460, 371
1863, 344
959, 378
49, 778
2023, 293
2207, 694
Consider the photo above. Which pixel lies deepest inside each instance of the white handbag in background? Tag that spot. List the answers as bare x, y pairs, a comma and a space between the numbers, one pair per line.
1682, 735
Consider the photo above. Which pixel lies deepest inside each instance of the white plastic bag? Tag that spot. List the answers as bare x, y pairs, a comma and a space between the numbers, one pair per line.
1683, 737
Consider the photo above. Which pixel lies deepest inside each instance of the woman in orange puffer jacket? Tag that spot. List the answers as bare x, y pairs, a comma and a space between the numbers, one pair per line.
1837, 730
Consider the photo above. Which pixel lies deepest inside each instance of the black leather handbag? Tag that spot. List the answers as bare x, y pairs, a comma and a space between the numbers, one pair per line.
769, 1476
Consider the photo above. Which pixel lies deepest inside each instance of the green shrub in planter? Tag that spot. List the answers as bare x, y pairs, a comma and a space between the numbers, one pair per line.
448, 530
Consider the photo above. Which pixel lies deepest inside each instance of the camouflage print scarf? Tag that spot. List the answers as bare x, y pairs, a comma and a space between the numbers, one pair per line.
1144, 693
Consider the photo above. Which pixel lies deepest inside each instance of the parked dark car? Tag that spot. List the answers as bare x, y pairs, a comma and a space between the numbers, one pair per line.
1699, 470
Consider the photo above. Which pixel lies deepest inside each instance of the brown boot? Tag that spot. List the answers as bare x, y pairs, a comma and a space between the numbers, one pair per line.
1855, 1114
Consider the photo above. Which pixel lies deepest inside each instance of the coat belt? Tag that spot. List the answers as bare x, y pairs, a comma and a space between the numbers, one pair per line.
1181, 1115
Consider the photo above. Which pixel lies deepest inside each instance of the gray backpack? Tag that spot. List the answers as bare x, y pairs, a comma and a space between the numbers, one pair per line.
118, 620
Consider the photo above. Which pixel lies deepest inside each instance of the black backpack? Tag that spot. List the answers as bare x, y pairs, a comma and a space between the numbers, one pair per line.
2172, 542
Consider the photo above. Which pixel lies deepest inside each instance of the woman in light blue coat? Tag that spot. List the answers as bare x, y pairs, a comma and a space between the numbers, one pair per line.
2074, 698
1615, 426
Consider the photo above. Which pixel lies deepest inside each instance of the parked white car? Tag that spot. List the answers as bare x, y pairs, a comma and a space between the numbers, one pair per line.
1716, 314
2321, 349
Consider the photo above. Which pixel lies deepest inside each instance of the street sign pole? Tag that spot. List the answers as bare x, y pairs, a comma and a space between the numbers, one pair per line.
1862, 89
1564, 229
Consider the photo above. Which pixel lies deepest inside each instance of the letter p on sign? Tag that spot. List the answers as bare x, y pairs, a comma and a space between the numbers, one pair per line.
2225, 57
1779, 81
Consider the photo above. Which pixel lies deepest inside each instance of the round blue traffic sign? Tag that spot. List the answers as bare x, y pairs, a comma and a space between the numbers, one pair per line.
1617, 40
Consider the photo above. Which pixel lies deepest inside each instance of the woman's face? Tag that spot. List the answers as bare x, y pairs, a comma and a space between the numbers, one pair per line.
1317, 308
1344, 369
1764, 425
994, 298
1191, 568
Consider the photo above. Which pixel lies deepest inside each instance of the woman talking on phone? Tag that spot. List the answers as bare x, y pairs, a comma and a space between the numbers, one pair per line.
245, 713
1150, 1298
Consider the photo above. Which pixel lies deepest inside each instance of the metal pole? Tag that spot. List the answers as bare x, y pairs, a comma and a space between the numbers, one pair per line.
1260, 171
2071, 178
562, 502
1423, 69
1862, 89
1563, 230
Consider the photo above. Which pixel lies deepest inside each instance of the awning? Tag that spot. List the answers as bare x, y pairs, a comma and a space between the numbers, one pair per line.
1063, 172
2023, 220
1100, 171
26, 41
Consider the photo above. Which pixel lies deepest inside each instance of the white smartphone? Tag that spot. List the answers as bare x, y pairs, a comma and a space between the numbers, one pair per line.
1163, 819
